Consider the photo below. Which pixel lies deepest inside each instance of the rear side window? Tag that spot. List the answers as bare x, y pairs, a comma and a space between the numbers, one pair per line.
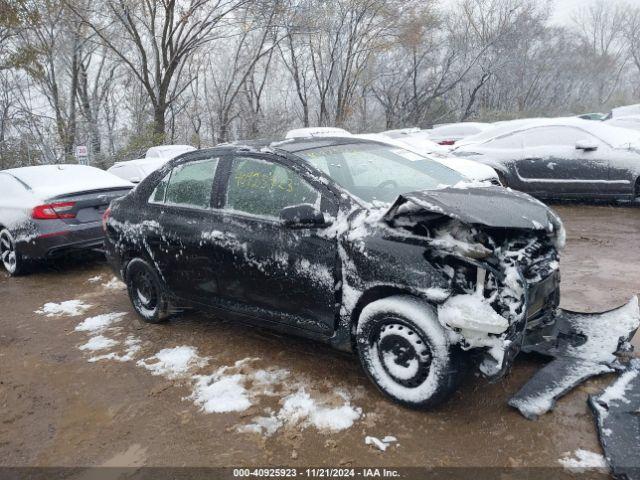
258, 187
189, 184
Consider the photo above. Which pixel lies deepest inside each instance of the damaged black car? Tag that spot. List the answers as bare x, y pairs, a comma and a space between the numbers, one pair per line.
351, 242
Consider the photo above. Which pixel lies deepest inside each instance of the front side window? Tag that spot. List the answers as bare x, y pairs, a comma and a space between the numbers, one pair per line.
189, 184
263, 188
556, 136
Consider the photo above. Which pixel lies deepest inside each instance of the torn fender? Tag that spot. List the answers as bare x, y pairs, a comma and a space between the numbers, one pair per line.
597, 337
616, 410
583, 345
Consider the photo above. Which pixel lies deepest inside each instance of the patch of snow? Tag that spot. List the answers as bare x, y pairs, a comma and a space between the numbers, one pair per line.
173, 362
616, 392
98, 343
583, 460
132, 347
114, 284
300, 408
380, 444
70, 308
471, 312
219, 393
99, 322
265, 425
95, 279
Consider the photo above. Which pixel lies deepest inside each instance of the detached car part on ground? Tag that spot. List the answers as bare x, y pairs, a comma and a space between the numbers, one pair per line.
319, 238
50, 210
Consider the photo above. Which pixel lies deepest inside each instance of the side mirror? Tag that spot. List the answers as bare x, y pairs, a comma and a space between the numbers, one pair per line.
134, 179
301, 216
587, 145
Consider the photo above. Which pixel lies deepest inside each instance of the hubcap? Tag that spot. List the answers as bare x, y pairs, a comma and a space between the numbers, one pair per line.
8, 252
404, 355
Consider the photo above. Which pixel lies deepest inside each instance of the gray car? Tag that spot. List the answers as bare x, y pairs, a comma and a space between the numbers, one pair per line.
562, 158
49, 210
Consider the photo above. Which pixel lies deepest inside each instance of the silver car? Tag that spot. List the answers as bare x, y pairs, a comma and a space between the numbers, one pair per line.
49, 210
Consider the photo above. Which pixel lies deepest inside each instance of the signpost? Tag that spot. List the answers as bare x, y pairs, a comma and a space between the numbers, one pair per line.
82, 154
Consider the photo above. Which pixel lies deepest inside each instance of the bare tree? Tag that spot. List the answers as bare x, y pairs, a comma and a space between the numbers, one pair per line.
154, 39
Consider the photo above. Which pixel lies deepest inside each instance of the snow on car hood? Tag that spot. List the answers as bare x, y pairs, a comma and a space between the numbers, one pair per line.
493, 207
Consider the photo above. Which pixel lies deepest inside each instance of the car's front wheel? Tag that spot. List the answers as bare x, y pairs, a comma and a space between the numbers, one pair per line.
146, 292
406, 352
11, 259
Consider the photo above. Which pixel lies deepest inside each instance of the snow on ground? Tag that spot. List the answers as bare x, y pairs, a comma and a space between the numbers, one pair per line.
231, 388
383, 444
70, 308
99, 322
173, 362
98, 342
132, 347
96, 279
583, 460
114, 284
300, 408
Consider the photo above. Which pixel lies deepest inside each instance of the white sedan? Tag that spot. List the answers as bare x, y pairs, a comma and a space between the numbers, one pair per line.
422, 148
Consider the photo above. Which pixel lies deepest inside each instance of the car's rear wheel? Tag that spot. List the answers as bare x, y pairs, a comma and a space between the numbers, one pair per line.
406, 352
146, 292
10, 257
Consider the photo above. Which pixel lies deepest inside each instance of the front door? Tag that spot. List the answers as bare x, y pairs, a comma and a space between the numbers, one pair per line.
265, 267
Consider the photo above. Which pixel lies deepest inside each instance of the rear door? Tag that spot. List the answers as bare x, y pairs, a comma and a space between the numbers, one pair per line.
184, 207
265, 268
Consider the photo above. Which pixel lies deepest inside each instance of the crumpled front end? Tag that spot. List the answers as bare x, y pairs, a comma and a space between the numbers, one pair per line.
502, 279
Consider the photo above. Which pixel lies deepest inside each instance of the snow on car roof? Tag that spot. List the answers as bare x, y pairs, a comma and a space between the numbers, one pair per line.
168, 151
317, 132
460, 128
54, 180
614, 136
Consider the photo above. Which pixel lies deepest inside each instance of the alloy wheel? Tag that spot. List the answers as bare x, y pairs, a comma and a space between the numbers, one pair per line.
8, 252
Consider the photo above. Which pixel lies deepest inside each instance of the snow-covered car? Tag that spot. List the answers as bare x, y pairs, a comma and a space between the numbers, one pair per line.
418, 142
49, 210
416, 148
348, 242
168, 151
451, 133
137, 170
631, 122
625, 111
561, 158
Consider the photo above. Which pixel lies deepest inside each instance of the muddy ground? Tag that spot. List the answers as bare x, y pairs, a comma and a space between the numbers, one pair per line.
59, 409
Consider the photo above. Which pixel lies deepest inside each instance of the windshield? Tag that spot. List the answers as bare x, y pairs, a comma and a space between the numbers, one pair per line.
379, 173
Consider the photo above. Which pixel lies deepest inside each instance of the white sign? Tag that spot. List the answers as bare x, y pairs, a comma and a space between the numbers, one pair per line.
82, 152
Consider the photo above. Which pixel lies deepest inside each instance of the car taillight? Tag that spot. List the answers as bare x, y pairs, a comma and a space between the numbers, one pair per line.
54, 211
447, 142
105, 218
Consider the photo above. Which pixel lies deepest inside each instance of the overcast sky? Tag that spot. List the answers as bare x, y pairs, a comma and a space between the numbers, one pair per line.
563, 9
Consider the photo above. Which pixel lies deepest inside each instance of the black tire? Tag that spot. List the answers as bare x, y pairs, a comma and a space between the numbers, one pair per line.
147, 292
406, 352
10, 258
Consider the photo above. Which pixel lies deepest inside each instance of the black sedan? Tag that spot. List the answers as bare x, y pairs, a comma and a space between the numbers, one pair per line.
349, 242
563, 158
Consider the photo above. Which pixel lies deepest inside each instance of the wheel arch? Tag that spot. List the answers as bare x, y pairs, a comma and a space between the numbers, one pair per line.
373, 294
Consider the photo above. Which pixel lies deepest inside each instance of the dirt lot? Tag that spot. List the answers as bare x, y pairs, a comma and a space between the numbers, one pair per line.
59, 409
